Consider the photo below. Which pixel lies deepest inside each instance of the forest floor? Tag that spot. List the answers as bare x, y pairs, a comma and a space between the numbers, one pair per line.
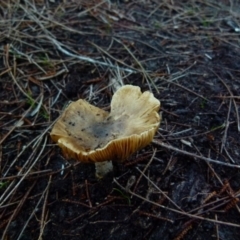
187, 181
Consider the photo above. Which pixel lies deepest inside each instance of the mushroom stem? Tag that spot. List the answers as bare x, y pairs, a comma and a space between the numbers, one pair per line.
102, 168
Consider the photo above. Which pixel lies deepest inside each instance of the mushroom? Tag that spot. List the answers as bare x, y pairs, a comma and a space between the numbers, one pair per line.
92, 135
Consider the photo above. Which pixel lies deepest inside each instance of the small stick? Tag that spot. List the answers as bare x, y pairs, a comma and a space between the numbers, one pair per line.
217, 231
160, 143
177, 211
226, 127
17, 209
44, 215
87, 192
234, 102
144, 170
154, 216
34, 210
84, 58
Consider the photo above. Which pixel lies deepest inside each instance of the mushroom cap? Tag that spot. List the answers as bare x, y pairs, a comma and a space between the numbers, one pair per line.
90, 134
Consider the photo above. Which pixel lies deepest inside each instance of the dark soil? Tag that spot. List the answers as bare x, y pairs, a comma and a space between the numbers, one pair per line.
187, 53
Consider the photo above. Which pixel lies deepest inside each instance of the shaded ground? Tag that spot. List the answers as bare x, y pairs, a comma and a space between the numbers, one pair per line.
186, 53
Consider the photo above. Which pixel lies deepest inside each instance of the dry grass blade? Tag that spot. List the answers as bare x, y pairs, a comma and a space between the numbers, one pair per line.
17, 209
128, 69
144, 170
44, 215
234, 102
145, 74
84, 58
44, 195
12, 187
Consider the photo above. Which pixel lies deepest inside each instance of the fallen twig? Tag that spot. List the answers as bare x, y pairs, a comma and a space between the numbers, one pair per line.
159, 143
177, 211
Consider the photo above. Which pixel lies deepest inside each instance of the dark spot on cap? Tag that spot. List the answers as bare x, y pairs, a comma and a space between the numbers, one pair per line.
71, 123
